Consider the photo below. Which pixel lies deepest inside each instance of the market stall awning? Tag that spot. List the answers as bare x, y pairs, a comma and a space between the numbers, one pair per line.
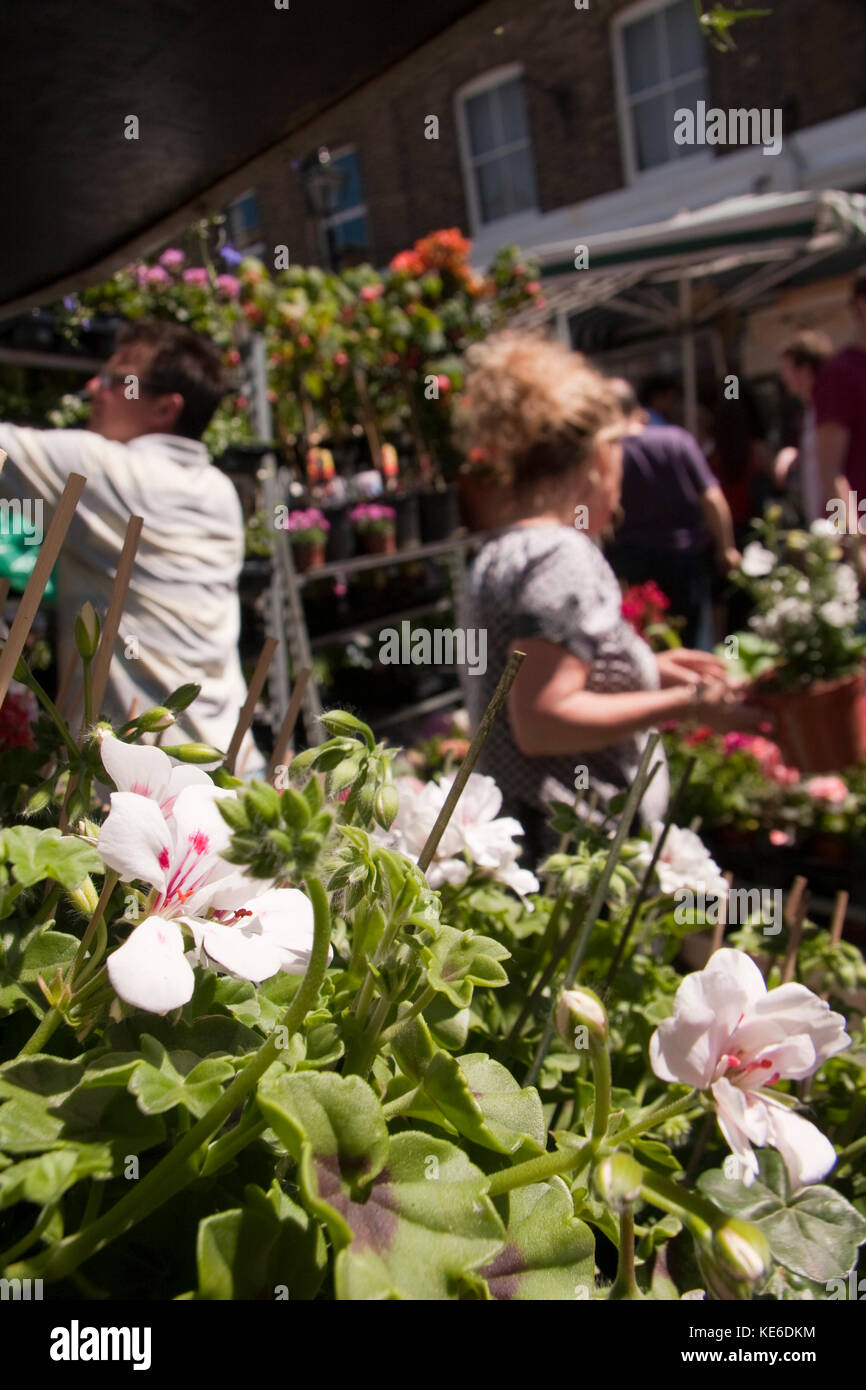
747, 243
673, 276
212, 86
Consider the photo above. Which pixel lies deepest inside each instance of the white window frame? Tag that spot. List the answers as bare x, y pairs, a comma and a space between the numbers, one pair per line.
254, 248
642, 10
495, 77
334, 219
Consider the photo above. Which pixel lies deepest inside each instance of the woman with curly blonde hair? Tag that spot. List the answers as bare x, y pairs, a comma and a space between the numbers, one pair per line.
541, 426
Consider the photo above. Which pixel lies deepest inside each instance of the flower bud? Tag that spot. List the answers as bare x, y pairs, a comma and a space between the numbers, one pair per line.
734, 1259
182, 697
195, 753
618, 1179
386, 806
578, 1008
87, 632
154, 720
743, 1248
85, 897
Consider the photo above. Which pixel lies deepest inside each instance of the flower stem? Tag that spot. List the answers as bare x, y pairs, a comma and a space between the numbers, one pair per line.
418, 1007
45, 1030
537, 1169
28, 679
625, 1284
600, 1058
177, 1168
108, 884
655, 1114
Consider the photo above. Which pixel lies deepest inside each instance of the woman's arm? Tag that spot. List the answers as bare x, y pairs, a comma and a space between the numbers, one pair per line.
551, 712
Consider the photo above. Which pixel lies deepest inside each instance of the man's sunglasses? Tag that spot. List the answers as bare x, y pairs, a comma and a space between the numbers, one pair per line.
107, 380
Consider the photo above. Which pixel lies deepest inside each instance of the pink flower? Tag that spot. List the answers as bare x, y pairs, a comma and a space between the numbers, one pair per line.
731, 1037
172, 258
444, 383
18, 711
370, 292
341, 359
734, 741
157, 276
827, 789
532, 287
229, 284
781, 837
196, 275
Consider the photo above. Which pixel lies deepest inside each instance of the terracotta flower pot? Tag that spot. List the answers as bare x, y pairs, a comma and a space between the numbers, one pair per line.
819, 729
308, 557
379, 542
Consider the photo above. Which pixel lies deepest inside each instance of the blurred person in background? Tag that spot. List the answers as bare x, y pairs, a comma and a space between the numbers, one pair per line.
741, 460
840, 414
142, 455
796, 470
548, 426
660, 397
676, 522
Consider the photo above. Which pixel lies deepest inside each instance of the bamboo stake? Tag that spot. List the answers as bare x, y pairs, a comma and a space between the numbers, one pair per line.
837, 922
796, 912
32, 596
719, 928
255, 689
105, 650
4, 592
500, 695
287, 728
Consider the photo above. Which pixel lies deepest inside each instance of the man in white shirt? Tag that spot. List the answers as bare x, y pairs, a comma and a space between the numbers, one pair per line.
799, 364
142, 455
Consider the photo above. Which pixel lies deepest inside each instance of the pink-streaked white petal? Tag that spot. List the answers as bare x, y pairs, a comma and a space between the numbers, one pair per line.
150, 970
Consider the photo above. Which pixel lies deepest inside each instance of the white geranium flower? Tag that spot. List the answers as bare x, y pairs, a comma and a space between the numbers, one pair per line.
730, 1036
838, 614
475, 834
823, 526
845, 584
757, 560
147, 771
239, 925
685, 862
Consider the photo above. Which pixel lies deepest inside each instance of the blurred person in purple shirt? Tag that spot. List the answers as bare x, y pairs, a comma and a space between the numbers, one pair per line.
840, 413
676, 522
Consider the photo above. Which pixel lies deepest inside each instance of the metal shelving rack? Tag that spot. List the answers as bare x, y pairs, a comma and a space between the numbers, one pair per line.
286, 608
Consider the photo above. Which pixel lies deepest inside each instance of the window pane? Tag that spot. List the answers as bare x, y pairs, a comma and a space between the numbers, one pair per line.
687, 95
349, 194
491, 190
479, 118
652, 138
640, 44
684, 42
512, 111
521, 177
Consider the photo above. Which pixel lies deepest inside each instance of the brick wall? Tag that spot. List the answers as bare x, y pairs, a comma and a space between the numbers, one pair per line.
808, 57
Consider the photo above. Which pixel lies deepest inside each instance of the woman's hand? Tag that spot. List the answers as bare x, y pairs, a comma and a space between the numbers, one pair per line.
682, 666
723, 707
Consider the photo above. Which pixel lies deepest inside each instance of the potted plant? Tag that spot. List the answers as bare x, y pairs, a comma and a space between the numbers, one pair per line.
308, 531
803, 652
440, 516
375, 524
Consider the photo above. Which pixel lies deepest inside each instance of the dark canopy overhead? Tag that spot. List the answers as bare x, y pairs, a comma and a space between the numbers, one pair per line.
213, 83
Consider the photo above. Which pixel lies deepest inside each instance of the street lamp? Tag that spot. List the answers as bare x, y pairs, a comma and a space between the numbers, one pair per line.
322, 182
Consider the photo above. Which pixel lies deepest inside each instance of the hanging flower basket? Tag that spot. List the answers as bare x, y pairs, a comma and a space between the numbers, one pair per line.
819, 729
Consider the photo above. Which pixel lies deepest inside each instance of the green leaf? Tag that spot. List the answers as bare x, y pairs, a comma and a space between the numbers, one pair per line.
549, 1255
46, 954
457, 960
268, 1246
166, 1079
39, 854
477, 1096
814, 1232
44, 1179
409, 1218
